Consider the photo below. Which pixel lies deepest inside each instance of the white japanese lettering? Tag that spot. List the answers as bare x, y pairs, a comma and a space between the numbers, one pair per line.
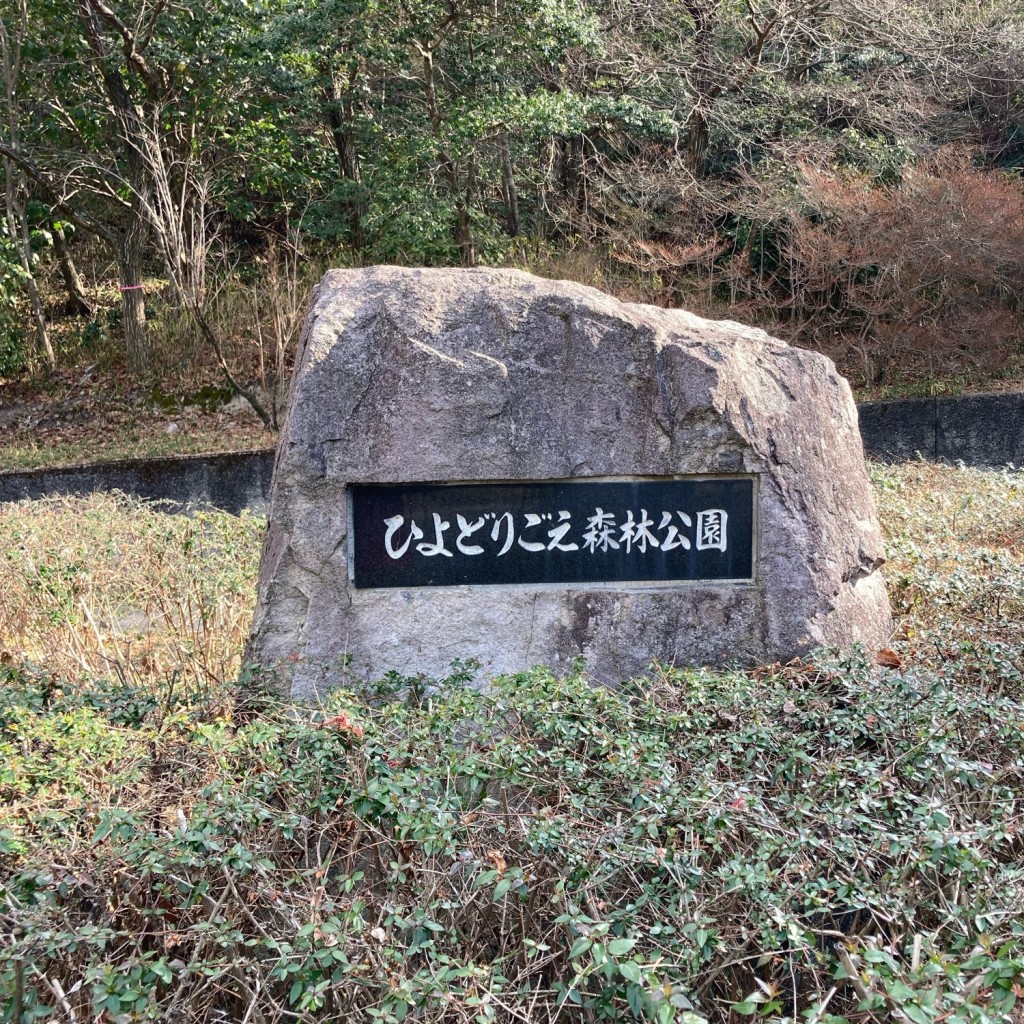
599, 532
674, 539
467, 530
558, 532
711, 529
510, 534
437, 548
394, 524
532, 519
638, 532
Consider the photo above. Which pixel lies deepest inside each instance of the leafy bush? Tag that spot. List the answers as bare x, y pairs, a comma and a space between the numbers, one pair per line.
12, 333
807, 839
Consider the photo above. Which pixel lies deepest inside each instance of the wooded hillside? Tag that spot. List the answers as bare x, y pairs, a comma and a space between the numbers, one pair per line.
847, 175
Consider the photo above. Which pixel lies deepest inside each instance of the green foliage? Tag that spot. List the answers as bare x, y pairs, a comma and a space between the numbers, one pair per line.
12, 331
684, 140
688, 843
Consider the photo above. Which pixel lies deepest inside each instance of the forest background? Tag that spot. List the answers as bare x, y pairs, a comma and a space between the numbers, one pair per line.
178, 174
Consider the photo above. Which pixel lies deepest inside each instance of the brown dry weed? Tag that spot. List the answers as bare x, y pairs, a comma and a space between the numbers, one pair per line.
107, 586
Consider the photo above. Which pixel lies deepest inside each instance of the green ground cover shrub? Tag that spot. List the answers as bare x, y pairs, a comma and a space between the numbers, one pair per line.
827, 840
705, 844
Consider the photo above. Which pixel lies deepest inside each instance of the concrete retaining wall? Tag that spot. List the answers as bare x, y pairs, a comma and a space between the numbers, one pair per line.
980, 430
232, 481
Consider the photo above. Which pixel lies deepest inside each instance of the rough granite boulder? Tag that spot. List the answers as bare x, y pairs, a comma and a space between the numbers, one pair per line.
417, 376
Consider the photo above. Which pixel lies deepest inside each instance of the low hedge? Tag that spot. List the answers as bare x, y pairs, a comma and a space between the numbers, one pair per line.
824, 840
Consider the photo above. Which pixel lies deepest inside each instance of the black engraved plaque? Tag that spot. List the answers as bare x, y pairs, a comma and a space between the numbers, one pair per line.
574, 531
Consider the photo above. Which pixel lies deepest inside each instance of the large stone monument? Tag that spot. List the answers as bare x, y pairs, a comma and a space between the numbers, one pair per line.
482, 464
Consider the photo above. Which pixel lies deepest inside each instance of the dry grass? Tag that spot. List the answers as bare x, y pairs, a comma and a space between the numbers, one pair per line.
143, 440
952, 506
955, 541
104, 585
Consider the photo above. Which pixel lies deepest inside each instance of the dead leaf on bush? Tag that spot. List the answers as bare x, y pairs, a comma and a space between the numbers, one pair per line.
888, 658
497, 861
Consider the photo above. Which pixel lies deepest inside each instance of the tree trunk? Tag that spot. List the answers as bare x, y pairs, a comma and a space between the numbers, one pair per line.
42, 335
698, 127
339, 112
462, 228
132, 138
511, 194
17, 230
467, 243
77, 303
573, 180
130, 249
698, 138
